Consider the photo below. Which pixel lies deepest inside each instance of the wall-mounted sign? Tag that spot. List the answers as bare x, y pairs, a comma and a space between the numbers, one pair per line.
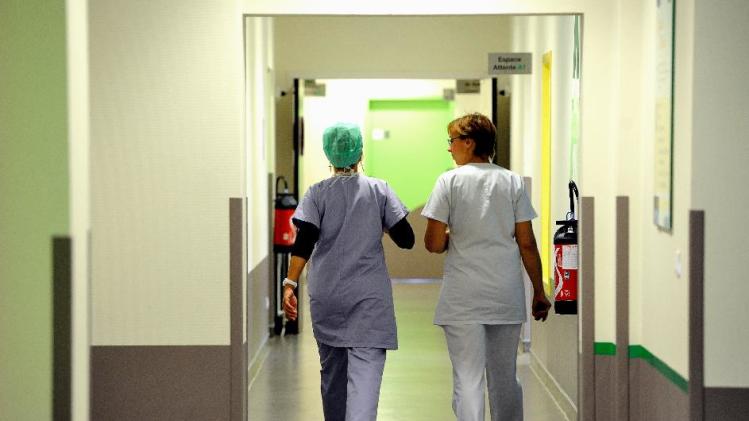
664, 115
312, 88
380, 134
468, 86
448, 94
510, 63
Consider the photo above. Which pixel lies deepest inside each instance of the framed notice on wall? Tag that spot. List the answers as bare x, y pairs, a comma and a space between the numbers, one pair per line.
664, 114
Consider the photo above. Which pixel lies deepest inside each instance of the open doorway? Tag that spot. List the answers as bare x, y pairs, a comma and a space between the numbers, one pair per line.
403, 124
343, 51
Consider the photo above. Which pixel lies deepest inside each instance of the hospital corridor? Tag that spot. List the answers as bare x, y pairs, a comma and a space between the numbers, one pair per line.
417, 381
333, 210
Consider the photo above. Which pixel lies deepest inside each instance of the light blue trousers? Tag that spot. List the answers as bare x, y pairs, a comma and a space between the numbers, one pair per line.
482, 354
350, 381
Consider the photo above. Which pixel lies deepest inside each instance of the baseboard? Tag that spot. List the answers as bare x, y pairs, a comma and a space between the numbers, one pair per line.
560, 397
526, 346
257, 362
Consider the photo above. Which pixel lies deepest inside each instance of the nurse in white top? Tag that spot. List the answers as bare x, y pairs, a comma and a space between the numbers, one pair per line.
481, 215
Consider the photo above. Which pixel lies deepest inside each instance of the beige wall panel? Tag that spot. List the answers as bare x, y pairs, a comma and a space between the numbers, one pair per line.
166, 145
719, 160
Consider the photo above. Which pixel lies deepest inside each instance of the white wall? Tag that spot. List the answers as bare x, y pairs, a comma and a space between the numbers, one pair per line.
618, 161
634, 176
260, 132
260, 159
617, 131
554, 343
658, 323
80, 204
387, 47
720, 155
538, 35
599, 118
166, 156
661, 328
416, 7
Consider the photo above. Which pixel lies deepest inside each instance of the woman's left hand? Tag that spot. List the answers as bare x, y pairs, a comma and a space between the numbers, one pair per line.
540, 306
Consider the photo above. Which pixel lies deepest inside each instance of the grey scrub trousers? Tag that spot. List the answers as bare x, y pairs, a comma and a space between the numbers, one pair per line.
351, 297
350, 382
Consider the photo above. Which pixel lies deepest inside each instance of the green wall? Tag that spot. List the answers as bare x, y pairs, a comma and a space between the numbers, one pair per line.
415, 153
33, 198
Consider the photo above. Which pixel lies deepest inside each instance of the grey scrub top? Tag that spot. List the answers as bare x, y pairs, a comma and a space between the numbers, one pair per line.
351, 298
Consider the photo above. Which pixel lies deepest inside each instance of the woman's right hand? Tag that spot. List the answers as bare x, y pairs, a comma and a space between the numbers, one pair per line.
289, 302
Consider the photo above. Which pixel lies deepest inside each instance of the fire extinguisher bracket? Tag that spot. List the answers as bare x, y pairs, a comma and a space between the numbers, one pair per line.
284, 235
566, 260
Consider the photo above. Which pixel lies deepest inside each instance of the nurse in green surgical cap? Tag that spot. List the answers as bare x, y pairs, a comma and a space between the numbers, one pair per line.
340, 223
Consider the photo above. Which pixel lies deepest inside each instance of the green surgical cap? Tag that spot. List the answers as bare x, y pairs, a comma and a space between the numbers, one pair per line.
342, 143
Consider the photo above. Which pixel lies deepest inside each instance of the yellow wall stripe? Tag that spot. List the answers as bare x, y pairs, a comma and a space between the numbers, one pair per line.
546, 223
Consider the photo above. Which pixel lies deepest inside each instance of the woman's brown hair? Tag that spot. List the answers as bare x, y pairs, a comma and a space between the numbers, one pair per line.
479, 128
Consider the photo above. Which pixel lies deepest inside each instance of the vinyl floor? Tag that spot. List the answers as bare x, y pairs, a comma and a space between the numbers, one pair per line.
416, 385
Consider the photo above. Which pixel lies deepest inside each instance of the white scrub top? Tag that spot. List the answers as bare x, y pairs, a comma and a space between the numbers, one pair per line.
482, 280
351, 298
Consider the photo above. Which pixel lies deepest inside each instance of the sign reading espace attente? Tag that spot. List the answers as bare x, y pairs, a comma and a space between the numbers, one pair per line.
510, 63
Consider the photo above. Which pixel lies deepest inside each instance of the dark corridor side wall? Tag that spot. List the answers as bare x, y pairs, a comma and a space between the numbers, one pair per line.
258, 281
415, 263
285, 135
554, 344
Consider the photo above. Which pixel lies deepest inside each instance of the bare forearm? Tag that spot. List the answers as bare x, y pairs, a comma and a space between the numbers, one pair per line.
296, 266
532, 263
442, 247
289, 296
436, 237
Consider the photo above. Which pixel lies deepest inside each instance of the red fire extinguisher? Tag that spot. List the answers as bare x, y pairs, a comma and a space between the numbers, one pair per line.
566, 260
284, 233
